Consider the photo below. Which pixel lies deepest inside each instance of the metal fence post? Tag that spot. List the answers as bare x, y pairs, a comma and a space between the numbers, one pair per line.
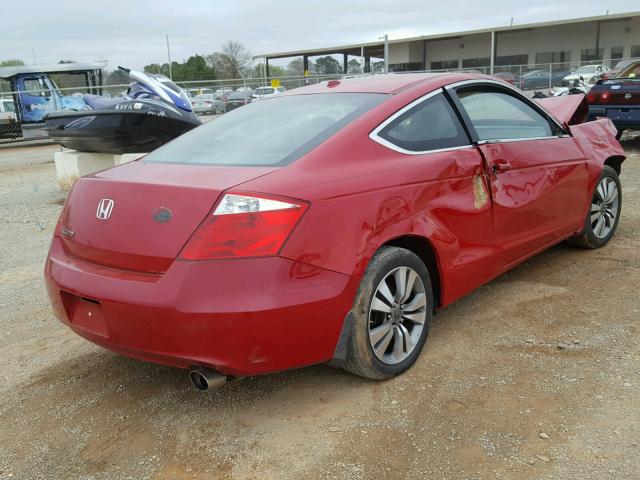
550, 75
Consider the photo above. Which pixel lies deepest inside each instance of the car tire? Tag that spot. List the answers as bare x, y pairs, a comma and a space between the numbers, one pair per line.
604, 212
405, 315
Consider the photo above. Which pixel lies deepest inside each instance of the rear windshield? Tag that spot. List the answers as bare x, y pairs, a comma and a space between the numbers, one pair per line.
265, 91
275, 131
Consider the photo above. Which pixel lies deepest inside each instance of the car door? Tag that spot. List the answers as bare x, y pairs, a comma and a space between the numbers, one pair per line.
537, 171
34, 98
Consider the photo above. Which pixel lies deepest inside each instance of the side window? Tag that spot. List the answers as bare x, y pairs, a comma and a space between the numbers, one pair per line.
430, 125
497, 115
34, 87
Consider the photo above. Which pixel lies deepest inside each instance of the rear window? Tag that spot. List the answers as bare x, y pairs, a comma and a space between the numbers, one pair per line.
265, 91
275, 131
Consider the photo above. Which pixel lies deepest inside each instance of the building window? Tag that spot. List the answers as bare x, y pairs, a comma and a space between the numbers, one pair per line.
505, 60
405, 67
635, 51
590, 55
616, 54
476, 62
553, 57
445, 65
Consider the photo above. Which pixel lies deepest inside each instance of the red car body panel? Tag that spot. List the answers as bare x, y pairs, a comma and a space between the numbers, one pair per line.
257, 315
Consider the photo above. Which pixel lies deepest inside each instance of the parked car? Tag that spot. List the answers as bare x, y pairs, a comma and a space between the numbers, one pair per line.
618, 99
9, 125
328, 223
208, 103
267, 92
248, 90
237, 99
590, 74
540, 79
194, 92
506, 76
619, 66
223, 92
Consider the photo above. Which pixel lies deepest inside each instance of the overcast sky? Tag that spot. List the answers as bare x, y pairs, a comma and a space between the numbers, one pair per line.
132, 33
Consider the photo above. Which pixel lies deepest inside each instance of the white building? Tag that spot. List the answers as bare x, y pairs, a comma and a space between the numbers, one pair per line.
564, 43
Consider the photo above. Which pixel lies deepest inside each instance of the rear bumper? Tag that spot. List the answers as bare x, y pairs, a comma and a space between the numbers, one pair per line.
240, 317
622, 116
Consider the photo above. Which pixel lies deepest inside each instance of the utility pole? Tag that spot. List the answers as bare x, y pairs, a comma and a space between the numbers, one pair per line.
169, 58
386, 53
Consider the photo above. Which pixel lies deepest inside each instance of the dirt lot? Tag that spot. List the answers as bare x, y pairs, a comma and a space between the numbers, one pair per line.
534, 376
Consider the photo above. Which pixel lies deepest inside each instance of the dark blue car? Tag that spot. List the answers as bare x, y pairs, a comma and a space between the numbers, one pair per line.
618, 99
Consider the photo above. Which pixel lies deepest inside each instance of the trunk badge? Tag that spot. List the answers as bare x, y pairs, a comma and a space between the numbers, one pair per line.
162, 214
628, 96
105, 207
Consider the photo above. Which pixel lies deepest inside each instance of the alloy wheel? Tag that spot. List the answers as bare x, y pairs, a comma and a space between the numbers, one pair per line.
397, 315
604, 207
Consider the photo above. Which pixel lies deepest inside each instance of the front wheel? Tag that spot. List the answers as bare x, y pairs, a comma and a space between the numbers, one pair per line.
604, 212
391, 315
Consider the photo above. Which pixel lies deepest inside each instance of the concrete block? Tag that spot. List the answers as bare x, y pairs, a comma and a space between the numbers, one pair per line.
71, 164
127, 157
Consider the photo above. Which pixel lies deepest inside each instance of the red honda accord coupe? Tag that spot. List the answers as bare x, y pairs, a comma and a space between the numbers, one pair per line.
328, 223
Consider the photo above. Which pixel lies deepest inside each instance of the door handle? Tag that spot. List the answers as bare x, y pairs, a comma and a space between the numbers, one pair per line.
500, 165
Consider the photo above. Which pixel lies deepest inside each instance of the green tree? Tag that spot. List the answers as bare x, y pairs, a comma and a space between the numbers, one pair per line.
327, 65
11, 63
195, 68
377, 67
354, 67
295, 67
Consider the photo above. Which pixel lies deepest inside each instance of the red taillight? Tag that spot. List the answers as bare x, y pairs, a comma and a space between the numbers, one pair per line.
244, 226
598, 97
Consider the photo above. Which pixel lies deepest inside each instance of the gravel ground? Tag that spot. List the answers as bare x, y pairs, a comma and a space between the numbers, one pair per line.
533, 376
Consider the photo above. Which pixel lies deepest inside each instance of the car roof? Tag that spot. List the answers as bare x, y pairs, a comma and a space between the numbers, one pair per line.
391, 83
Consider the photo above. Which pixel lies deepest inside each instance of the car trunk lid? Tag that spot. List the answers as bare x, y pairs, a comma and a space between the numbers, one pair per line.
139, 216
616, 91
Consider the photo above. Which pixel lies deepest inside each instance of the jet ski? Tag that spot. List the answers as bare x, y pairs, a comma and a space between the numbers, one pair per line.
153, 112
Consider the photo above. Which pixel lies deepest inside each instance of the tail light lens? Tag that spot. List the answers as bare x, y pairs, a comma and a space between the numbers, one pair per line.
244, 226
597, 97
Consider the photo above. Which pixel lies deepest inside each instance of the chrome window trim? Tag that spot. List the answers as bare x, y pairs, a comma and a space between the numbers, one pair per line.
523, 139
374, 135
518, 94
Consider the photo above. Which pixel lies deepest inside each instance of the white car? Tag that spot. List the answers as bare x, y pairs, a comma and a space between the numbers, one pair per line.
223, 91
207, 103
9, 126
590, 74
267, 92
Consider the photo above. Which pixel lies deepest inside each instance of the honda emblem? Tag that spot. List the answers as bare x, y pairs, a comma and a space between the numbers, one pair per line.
105, 207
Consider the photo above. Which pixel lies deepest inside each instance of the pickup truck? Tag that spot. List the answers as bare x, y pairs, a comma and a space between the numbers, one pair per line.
618, 99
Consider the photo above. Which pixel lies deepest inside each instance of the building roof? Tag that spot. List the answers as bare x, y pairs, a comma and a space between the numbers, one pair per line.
375, 48
8, 72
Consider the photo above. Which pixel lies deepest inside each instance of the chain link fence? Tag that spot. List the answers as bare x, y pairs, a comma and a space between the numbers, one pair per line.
22, 112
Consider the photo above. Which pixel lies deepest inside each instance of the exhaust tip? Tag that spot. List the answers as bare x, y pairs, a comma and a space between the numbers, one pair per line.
205, 378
